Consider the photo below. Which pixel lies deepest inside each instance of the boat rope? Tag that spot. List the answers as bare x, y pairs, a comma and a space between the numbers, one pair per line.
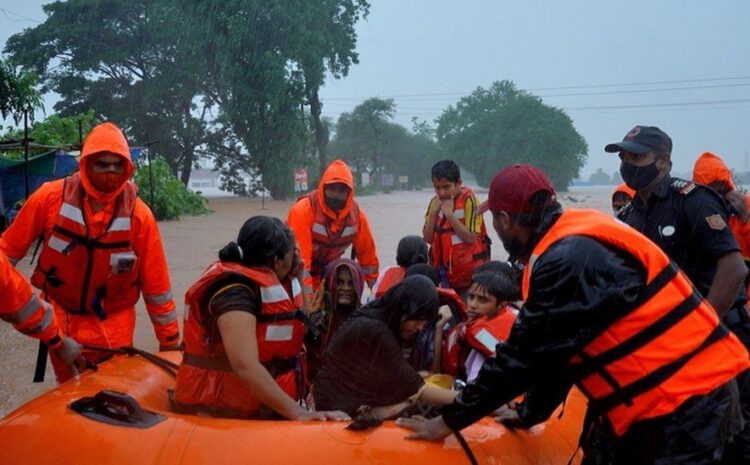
465, 447
166, 365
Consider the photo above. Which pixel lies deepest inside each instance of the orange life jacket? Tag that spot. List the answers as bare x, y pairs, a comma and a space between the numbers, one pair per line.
85, 274
327, 245
481, 334
390, 277
668, 348
449, 251
205, 377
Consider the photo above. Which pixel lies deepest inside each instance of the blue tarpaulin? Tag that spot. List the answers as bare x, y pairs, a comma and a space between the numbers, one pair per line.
42, 168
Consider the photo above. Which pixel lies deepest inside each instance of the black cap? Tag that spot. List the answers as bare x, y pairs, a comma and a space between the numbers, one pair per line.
642, 139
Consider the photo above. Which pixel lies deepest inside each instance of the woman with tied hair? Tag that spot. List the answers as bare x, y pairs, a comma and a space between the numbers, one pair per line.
337, 298
411, 250
363, 364
244, 330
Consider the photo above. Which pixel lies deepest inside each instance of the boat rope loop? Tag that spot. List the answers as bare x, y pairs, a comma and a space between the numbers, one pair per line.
163, 363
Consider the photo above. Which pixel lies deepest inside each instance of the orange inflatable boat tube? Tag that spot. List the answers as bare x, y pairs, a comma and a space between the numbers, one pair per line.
48, 431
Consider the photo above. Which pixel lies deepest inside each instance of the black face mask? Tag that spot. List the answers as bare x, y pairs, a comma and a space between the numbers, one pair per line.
638, 177
335, 204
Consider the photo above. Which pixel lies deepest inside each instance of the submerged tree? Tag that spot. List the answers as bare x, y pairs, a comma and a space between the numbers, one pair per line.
496, 127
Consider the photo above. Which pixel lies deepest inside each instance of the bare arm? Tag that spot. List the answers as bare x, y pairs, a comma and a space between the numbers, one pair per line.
445, 314
237, 331
730, 275
429, 225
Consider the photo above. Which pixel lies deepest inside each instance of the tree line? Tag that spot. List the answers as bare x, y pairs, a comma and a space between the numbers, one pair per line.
238, 81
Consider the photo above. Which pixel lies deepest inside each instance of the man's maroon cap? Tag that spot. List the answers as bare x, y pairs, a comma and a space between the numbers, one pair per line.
512, 188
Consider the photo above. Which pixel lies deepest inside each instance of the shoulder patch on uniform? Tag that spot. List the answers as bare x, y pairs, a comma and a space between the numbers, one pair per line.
683, 187
716, 222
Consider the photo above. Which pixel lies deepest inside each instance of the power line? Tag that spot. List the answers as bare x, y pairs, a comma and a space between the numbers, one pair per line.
587, 86
25, 18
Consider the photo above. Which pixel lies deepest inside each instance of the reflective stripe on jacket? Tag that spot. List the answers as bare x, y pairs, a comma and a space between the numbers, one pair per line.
85, 274
449, 251
205, 377
19, 306
388, 278
668, 348
327, 244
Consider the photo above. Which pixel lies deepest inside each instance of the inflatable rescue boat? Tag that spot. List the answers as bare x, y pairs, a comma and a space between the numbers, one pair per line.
121, 414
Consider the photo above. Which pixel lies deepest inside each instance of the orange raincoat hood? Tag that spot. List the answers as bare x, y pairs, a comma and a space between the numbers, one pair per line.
338, 171
625, 190
105, 137
709, 167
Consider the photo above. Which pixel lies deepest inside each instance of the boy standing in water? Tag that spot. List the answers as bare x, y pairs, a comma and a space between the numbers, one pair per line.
454, 228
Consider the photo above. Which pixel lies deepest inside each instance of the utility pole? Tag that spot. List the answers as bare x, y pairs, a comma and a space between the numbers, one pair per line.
26, 150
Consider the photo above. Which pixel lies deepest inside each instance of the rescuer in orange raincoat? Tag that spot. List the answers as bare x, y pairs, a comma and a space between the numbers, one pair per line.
711, 171
327, 221
32, 316
621, 197
100, 249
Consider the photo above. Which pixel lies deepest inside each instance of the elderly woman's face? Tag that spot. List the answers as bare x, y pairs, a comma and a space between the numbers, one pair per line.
345, 294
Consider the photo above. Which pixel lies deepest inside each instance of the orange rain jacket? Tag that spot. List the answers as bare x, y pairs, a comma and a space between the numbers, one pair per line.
710, 167
19, 306
625, 190
146, 266
302, 219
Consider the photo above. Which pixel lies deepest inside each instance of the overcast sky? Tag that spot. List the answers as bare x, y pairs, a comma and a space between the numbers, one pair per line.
681, 65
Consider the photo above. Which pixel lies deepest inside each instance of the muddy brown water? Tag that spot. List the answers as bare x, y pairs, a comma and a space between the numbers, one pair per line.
192, 242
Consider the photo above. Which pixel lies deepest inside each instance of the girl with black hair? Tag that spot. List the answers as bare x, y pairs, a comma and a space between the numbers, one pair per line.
364, 365
244, 330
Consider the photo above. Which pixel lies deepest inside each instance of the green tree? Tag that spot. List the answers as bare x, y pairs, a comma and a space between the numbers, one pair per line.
17, 92
497, 127
370, 142
266, 60
57, 129
363, 134
123, 60
600, 178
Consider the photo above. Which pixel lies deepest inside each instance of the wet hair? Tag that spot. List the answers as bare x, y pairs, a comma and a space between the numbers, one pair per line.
446, 169
542, 203
261, 240
500, 285
410, 251
423, 269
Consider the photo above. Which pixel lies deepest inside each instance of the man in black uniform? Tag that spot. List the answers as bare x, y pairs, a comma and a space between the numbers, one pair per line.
689, 222
588, 275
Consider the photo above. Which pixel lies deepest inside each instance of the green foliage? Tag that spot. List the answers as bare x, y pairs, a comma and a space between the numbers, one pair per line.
171, 197
370, 142
120, 59
57, 129
497, 127
225, 78
17, 92
600, 178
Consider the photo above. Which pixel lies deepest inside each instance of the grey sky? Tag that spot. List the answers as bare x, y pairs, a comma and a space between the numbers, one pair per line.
435, 51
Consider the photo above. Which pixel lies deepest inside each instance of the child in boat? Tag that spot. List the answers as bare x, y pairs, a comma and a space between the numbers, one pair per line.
411, 250
364, 365
489, 322
244, 330
337, 298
